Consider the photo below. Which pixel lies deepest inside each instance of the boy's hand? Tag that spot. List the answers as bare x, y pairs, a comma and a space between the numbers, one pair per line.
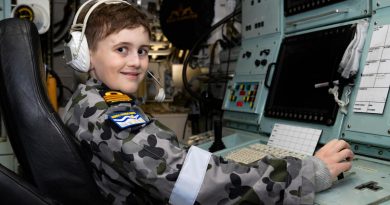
337, 156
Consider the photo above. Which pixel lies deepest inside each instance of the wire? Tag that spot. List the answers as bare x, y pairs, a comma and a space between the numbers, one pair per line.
185, 127
196, 45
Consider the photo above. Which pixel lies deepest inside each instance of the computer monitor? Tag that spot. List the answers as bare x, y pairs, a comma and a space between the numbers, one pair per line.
306, 60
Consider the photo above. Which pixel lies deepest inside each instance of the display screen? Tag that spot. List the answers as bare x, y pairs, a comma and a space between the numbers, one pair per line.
304, 61
292, 7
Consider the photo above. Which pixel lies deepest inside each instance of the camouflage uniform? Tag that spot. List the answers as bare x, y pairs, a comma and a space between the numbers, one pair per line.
140, 165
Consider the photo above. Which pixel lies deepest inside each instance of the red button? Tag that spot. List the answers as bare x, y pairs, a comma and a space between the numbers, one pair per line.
239, 104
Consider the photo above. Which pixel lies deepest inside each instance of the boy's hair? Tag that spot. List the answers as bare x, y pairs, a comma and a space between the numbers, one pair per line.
109, 18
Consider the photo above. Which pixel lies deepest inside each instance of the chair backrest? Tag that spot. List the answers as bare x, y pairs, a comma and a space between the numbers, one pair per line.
49, 157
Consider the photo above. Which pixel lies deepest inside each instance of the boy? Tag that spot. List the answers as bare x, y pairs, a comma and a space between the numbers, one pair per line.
137, 160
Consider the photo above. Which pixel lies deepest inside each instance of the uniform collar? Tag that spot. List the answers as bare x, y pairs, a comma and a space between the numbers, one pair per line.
103, 89
92, 82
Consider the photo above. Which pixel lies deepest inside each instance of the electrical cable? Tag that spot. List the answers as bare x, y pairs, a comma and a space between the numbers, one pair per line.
65, 23
196, 45
184, 129
62, 32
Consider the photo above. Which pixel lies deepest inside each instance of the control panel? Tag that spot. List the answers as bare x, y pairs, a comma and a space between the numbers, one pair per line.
261, 38
243, 95
256, 54
359, 111
257, 20
367, 124
301, 16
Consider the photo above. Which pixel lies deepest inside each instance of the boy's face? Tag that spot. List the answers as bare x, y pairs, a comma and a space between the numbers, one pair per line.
121, 59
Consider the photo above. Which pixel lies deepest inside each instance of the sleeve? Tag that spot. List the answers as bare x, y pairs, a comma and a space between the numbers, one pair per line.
270, 181
151, 158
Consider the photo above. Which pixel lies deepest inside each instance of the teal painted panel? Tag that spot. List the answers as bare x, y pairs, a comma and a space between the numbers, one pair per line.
261, 17
364, 170
335, 13
369, 128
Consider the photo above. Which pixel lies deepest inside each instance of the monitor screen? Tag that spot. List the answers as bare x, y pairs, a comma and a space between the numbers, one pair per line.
305, 60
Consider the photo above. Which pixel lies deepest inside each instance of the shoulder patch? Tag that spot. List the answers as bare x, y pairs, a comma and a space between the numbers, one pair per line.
114, 97
127, 119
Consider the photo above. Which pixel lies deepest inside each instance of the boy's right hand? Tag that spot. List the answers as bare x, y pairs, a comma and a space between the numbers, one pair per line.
337, 156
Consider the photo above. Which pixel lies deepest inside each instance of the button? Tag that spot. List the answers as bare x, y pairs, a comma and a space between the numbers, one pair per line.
239, 104
263, 62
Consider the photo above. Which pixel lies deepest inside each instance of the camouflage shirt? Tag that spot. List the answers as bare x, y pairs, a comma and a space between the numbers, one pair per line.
140, 164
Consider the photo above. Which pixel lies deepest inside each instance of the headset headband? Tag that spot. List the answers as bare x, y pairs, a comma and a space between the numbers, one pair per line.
84, 25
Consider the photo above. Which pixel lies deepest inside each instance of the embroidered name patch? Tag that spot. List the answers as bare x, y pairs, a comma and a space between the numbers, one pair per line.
127, 119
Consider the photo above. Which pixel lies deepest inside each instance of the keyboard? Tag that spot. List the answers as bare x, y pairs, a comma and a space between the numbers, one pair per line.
255, 152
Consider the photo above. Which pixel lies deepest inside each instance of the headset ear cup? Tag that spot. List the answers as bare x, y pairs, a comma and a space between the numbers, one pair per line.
77, 58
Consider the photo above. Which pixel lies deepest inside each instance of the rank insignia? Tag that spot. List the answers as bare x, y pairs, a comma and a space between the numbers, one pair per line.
112, 97
126, 119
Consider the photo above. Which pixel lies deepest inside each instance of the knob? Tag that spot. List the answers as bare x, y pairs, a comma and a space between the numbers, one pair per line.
257, 62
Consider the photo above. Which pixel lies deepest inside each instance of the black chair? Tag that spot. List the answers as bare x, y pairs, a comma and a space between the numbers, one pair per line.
53, 167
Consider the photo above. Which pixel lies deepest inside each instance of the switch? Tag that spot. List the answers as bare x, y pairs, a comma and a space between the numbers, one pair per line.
371, 185
265, 52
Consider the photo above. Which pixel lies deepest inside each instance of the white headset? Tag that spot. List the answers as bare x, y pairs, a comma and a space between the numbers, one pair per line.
76, 51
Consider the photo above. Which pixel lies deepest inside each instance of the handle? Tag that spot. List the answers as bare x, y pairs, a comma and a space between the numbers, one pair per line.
267, 75
336, 11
